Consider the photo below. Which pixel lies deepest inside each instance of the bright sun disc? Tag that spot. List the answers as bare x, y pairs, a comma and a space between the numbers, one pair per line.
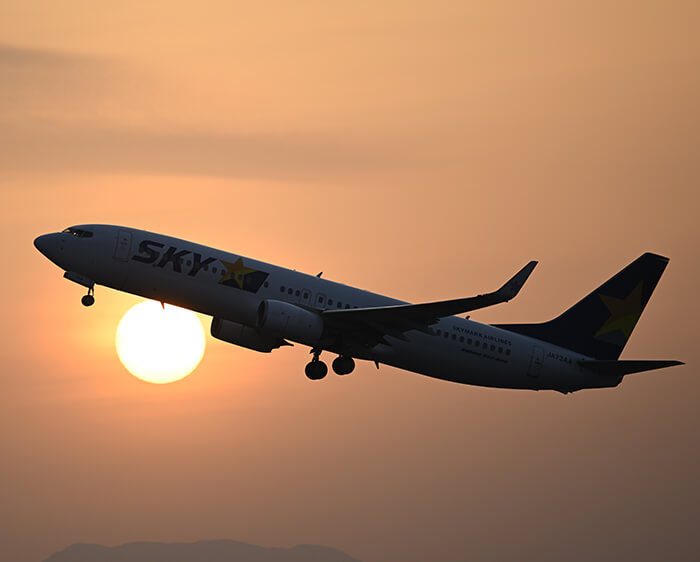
160, 345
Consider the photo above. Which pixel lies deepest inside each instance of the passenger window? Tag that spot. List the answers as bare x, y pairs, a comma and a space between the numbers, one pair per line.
320, 299
469, 341
214, 270
266, 284
340, 305
298, 293
500, 349
439, 332
493, 348
282, 289
461, 339
507, 351
189, 262
447, 335
347, 306
290, 291
330, 302
306, 295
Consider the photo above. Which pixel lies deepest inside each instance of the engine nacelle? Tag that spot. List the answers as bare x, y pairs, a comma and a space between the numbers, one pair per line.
245, 336
288, 321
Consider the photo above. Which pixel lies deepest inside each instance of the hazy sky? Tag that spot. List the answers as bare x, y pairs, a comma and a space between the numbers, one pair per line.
424, 150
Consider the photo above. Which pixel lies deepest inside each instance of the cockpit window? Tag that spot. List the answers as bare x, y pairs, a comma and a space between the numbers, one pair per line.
79, 232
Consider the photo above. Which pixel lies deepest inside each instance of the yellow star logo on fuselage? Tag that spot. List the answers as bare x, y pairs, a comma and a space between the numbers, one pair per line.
624, 313
236, 272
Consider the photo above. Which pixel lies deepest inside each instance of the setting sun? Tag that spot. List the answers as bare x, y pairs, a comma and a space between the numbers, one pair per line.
160, 344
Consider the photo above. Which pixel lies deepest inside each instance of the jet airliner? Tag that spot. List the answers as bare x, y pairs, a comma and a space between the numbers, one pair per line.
263, 307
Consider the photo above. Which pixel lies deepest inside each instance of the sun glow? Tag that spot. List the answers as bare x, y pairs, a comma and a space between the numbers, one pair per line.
160, 344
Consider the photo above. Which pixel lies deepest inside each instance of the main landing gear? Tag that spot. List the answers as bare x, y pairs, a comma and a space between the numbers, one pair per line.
343, 365
89, 299
317, 369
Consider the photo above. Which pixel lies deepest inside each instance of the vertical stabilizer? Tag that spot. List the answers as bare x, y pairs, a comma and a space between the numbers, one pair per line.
600, 324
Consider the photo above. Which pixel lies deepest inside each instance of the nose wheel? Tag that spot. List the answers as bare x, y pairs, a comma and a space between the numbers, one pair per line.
89, 299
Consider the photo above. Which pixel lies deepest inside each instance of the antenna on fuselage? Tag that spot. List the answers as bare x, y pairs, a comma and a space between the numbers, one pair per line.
319, 274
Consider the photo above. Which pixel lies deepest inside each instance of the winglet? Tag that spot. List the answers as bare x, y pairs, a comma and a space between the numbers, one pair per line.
513, 286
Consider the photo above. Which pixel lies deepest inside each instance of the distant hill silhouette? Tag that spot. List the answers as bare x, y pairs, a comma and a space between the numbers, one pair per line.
201, 551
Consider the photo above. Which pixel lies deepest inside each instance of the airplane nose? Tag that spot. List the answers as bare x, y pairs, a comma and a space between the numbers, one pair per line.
48, 244
42, 243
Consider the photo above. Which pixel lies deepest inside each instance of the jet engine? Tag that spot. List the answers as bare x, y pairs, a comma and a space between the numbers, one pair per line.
288, 321
245, 336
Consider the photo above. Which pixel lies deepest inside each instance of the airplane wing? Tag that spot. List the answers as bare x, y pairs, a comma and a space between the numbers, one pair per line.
394, 320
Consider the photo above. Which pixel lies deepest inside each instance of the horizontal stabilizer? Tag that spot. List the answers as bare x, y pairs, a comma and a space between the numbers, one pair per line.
620, 368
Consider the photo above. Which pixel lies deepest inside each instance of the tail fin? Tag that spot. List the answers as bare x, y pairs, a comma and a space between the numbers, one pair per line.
600, 325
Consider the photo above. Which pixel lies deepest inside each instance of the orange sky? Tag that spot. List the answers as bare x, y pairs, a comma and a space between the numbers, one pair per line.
425, 150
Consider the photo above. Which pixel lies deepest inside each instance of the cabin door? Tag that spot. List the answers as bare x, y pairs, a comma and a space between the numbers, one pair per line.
536, 361
123, 248
305, 297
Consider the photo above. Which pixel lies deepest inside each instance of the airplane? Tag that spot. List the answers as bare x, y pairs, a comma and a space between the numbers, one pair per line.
263, 307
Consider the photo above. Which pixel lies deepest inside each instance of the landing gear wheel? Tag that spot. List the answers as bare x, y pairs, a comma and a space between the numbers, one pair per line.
343, 365
316, 370
87, 300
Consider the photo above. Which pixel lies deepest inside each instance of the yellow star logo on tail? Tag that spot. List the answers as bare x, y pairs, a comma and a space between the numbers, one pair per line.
236, 272
624, 313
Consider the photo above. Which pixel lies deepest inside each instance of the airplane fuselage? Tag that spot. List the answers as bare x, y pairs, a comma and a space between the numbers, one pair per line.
231, 287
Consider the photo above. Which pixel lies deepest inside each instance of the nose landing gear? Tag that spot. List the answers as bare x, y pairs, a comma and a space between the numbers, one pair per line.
89, 299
